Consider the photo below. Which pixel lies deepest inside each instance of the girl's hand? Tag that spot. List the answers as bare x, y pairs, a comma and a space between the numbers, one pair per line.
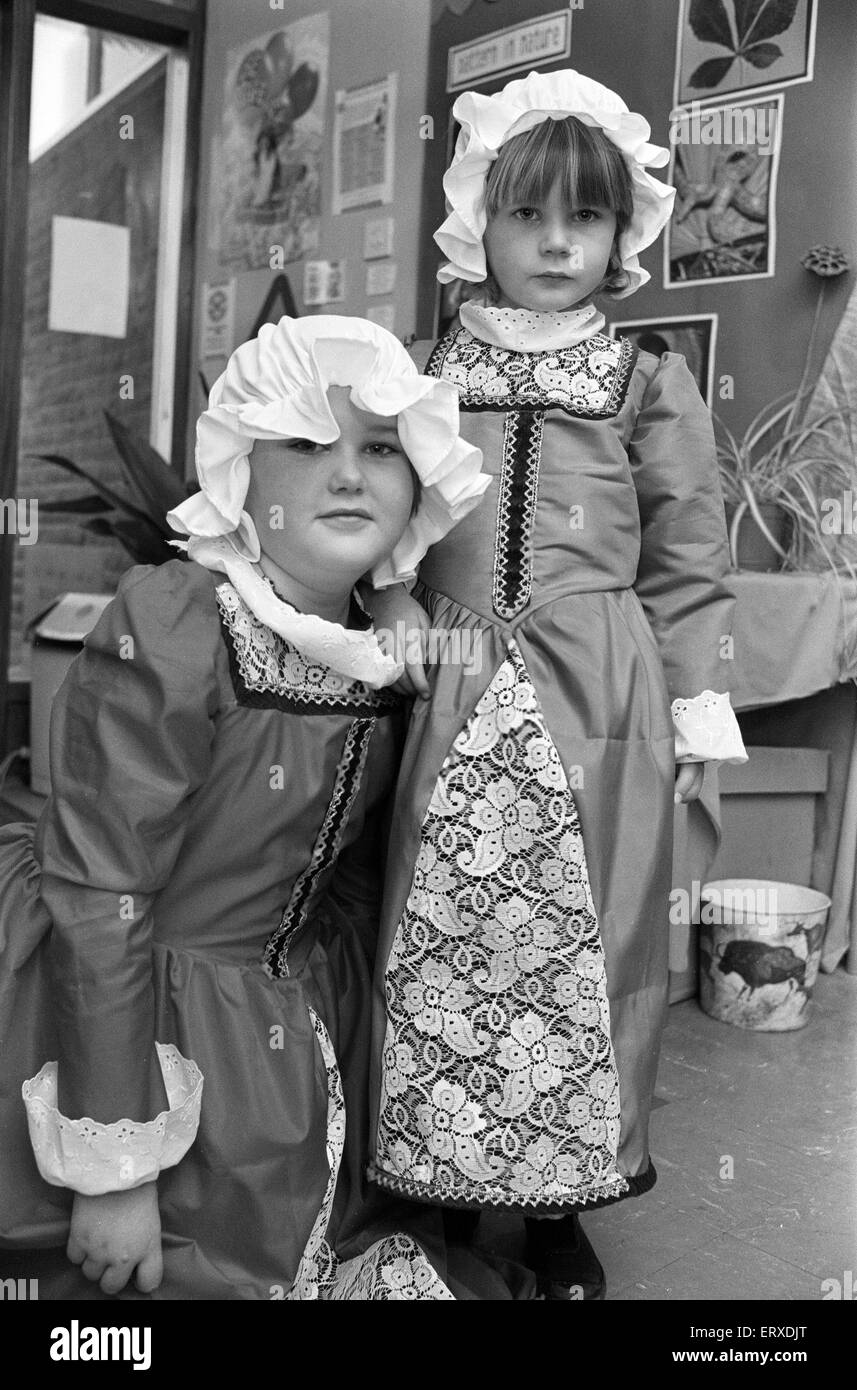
688, 781
114, 1234
402, 625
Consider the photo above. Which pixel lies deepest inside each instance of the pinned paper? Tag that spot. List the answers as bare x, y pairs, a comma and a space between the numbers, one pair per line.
324, 282
381, 277
384, 315
90, 277
218, 323
378, 238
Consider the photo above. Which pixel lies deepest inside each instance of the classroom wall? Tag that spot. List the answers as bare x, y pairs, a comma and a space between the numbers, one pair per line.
368, 39
764, 324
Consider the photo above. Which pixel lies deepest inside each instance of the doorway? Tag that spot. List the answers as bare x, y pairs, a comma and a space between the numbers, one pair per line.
99, 168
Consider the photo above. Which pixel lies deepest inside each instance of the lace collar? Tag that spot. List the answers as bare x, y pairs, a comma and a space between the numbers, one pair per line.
268, 672
355, 654
525, 330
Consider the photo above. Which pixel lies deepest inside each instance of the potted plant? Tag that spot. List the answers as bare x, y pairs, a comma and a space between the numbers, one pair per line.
133, 512
770, 475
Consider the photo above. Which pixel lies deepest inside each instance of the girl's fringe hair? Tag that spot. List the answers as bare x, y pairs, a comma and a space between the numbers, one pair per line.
586, 165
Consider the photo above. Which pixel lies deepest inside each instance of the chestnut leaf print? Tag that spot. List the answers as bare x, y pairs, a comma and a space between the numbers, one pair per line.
756, 22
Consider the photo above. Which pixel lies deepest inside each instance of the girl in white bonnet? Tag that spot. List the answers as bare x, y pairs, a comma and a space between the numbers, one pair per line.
184, 936
522, 969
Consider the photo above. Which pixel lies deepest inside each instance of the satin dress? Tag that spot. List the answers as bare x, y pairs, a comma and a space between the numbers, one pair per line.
522, 969
204, 882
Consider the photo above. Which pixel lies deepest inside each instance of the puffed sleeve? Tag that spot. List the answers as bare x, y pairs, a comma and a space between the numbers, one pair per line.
684, 560
131, 737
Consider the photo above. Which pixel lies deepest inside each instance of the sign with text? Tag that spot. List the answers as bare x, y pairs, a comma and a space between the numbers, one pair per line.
508, 50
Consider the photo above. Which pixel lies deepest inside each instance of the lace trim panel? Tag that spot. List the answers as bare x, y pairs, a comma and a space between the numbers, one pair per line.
94, 1158
499, 1082
519, 486
393, 1269
326, 848
588, 379
269, 673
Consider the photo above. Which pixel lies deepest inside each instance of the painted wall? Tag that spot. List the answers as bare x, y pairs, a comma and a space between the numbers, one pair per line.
368, 39
629, 45
764, 324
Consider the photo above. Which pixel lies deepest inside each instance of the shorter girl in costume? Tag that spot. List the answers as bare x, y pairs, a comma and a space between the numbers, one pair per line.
186, 929
523, 957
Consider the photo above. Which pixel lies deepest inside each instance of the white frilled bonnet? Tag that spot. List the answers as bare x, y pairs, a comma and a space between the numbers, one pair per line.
275, 387
487, 122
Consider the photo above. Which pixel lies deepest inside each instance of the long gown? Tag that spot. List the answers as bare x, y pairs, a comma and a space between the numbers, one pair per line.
522, 965
204, 879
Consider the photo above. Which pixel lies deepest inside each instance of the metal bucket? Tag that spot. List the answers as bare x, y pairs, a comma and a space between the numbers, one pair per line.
759, 949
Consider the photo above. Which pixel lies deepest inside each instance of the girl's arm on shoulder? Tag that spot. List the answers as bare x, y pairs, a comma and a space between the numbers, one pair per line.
682, 578
401, 625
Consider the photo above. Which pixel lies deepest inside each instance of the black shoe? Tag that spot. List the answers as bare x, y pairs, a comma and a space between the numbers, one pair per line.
459, 1225
567, 1268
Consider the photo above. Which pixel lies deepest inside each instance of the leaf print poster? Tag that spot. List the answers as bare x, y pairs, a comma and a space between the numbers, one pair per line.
747, 46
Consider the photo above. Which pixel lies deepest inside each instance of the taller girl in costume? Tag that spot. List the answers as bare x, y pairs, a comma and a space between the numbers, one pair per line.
187, 930
523, 971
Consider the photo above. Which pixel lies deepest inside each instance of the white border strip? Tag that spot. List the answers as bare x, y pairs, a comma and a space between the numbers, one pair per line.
169, 255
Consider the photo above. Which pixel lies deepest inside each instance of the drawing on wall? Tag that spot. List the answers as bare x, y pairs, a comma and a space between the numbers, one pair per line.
747, 46
324, 282
693, 335
270, 151
278, 301
724, 223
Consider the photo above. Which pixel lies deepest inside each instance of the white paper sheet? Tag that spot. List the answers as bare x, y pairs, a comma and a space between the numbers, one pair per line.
90, 277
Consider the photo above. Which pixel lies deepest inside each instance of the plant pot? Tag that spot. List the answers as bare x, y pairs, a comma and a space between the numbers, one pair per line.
753, 550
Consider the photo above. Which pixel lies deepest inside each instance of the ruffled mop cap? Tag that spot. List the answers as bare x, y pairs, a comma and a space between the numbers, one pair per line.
276, 385
487, 122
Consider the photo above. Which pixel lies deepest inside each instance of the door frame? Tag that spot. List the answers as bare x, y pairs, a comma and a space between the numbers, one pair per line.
180, 26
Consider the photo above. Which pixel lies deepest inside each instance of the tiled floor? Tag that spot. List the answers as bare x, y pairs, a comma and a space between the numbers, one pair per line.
777, 1111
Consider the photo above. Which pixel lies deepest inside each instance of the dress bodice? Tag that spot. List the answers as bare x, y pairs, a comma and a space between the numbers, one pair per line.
557, 431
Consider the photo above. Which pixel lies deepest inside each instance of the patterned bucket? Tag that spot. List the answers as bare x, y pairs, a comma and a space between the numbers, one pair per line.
759, 949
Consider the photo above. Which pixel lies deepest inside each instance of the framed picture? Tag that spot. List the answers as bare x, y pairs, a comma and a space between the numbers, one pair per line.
693, 335
747, 46
724, 224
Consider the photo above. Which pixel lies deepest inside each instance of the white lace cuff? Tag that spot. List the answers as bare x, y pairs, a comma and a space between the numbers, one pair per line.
706, 730
93, 1158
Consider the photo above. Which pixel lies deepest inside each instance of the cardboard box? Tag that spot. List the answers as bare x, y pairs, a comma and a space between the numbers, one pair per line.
767, 809
57, 638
